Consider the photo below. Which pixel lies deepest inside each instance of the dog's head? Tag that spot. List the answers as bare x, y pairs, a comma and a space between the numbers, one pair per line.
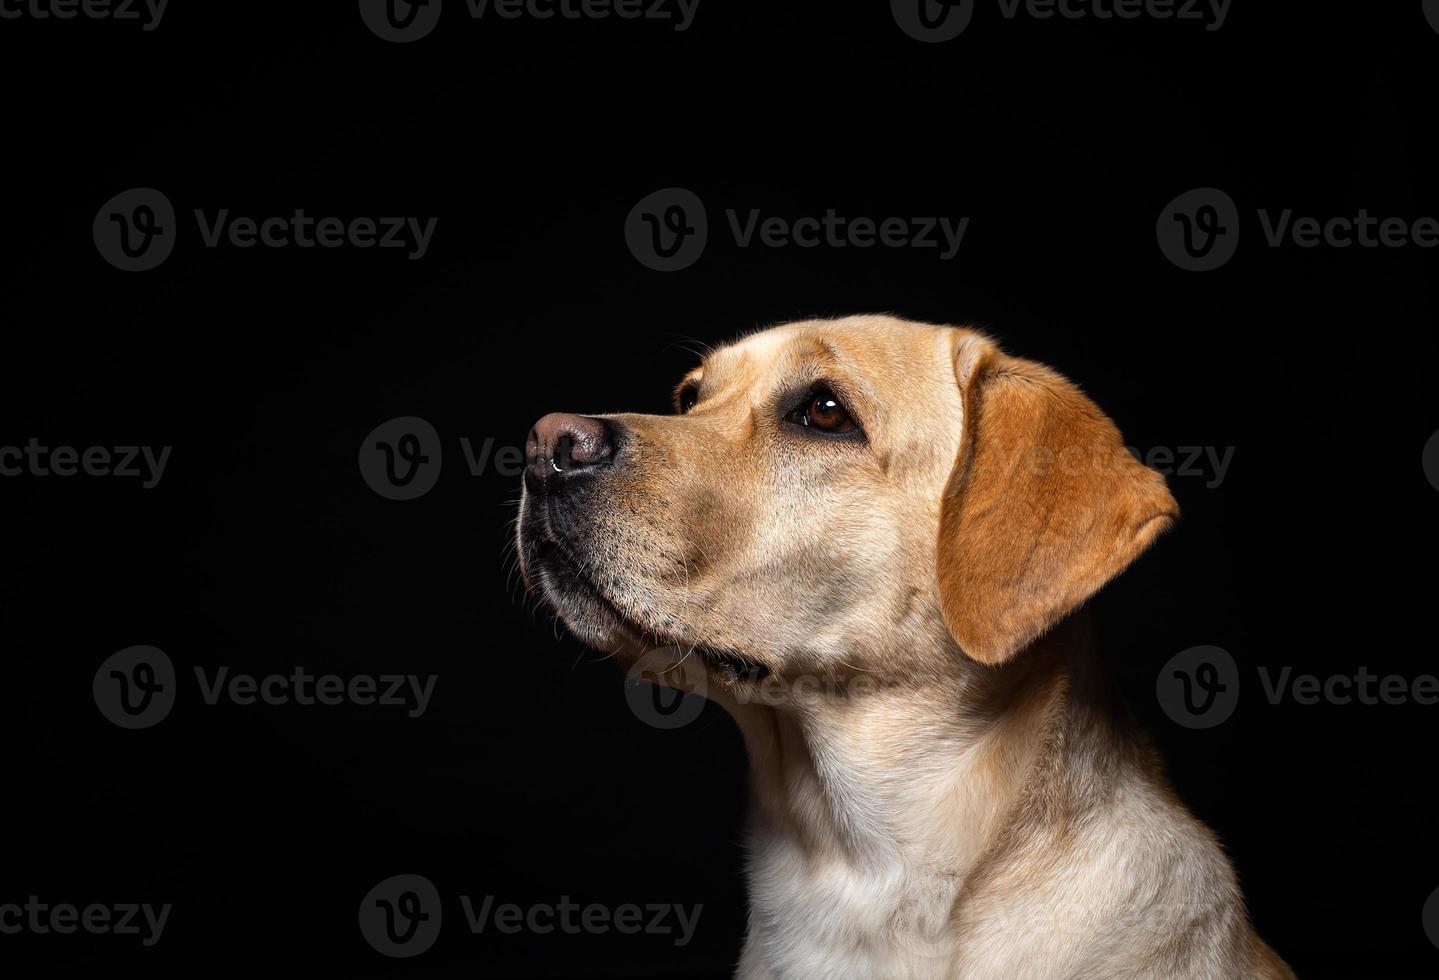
863, 493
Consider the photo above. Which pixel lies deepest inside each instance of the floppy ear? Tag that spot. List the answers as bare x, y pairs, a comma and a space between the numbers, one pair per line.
1044, 505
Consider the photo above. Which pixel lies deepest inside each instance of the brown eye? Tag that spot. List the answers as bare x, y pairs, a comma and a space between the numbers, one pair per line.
686, 397
824, 412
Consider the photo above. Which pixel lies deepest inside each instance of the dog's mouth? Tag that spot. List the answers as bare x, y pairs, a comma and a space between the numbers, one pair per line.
569, 585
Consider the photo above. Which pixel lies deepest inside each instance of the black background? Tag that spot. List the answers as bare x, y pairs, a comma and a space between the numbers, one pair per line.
529, 778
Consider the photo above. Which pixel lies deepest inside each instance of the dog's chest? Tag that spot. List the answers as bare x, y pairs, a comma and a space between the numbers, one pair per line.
812, 917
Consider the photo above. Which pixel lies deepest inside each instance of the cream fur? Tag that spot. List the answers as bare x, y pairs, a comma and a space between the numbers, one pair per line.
943, 783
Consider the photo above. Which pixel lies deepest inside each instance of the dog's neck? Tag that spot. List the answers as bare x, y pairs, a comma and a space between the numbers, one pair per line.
925, 778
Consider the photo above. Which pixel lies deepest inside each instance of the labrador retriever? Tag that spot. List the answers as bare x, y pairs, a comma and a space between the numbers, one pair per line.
872, 541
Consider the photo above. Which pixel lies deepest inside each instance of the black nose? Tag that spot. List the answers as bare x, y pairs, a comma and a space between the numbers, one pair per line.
562, 446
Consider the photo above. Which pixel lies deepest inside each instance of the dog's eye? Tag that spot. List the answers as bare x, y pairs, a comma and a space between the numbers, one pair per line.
686, 397
822, 411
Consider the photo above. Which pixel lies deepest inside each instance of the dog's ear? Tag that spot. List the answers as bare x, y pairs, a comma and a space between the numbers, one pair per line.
1044, 505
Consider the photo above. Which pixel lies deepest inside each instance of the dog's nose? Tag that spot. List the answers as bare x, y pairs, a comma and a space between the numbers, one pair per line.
562, 446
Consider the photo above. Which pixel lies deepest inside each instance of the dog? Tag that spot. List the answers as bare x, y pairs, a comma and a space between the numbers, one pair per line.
872, 541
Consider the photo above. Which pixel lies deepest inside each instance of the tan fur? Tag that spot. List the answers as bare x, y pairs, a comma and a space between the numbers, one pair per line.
1045, 504
944, 784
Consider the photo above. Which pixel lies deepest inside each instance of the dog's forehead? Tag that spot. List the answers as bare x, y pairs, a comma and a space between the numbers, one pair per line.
885, 352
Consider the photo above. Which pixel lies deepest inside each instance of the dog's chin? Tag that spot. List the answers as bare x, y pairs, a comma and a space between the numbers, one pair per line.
580, 603
600, 623
590, 622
